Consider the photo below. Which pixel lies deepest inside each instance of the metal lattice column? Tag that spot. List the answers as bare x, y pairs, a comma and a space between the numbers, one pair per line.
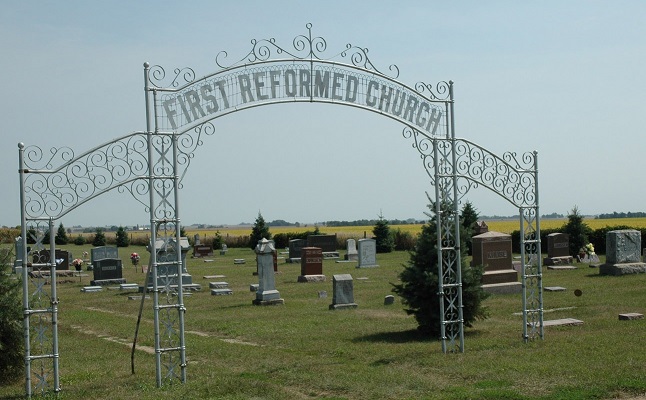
166, 257
40, 308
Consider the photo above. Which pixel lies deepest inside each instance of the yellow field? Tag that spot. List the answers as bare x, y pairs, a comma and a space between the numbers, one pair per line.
505, 226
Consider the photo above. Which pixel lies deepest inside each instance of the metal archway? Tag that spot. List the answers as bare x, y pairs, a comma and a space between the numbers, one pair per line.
150, 166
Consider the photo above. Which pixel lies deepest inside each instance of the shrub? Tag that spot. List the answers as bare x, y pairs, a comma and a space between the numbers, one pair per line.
403, 240
79, 240
11, 335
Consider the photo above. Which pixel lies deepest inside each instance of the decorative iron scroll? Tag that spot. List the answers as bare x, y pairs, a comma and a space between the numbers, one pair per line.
304, 47
58, 182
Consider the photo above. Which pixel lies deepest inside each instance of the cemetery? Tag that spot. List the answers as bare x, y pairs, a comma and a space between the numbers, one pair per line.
269, 329
362, 348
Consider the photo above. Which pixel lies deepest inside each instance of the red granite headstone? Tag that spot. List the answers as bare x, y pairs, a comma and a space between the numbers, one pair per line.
311, 261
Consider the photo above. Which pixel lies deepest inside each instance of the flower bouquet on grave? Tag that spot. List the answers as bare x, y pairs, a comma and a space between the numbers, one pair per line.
77, 263
587, 254
134, 257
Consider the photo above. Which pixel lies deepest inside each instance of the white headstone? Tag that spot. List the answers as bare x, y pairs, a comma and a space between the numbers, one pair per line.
367, 253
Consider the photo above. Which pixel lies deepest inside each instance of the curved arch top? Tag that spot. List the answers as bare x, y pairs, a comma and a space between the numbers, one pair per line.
270, 73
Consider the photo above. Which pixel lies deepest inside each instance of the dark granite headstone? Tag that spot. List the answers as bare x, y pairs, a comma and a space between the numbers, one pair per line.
558, 245
326, 243
62, 258
295, 246
108, 268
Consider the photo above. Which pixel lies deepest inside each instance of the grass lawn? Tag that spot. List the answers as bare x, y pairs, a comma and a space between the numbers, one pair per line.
302, 350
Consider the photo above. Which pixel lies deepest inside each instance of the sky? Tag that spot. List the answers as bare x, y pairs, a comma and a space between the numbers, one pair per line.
562, 78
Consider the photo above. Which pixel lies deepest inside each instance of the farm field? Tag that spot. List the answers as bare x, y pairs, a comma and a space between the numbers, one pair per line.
504, 226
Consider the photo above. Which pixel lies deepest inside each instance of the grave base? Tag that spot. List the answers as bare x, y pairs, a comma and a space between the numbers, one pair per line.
343, 306
622, 269
221, 292
561, 267
503, 288
499, 276
295, 260
331, 254
311, 278
368, 266
273, 302
194, 287
630, 316
105, 282
557, 260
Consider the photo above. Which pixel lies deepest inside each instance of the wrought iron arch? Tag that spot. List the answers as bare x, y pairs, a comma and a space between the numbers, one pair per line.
180, 110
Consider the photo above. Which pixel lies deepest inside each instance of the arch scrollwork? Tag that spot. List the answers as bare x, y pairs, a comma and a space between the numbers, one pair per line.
58, 183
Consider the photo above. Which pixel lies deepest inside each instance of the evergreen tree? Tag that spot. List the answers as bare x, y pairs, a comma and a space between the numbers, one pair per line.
577, 230
11, 334
99, 238
122, 237
383, 237
419, 283
259, 231
61, 235
468, 219
79, 241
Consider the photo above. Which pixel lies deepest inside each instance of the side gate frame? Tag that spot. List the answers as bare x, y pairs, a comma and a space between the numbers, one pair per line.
151, 164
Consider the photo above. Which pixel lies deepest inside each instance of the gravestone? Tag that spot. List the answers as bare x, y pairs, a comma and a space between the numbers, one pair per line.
623, 253
558, 249
266, 294
480, 228
223, 249
493, 250
107, 268
343, 292
351, 250
167, 275
17, 264
107, 271
367, 252
196, 239
202, 250
103, 252
295, 246
62, 259
311, 265
327, 243
275, 257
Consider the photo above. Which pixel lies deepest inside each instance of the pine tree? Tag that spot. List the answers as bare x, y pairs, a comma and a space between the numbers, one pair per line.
577, 230
122, 237
61, 235
11, 335
419, 283
468, 219
259, 231
99, 238
384, 239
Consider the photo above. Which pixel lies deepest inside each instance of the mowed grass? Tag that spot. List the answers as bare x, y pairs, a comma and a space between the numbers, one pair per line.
302, 350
